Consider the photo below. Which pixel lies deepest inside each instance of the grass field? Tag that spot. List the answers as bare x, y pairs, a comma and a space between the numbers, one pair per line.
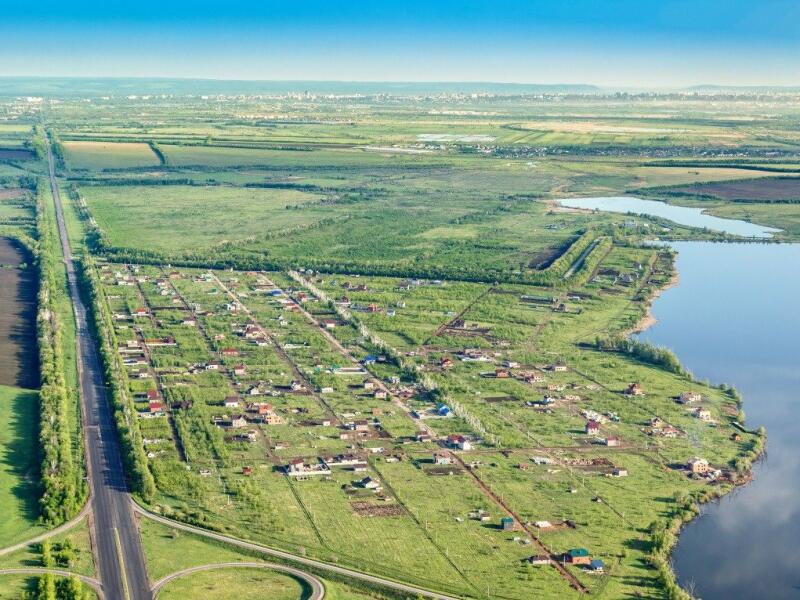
248, 584
190, 218
95, 156
19, 464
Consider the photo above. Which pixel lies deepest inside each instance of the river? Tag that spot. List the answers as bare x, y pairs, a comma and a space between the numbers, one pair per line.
732, 318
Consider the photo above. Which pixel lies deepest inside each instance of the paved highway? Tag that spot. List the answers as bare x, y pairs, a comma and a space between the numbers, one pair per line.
121, 566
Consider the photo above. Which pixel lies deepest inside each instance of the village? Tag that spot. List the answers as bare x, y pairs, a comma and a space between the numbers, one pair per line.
382, 387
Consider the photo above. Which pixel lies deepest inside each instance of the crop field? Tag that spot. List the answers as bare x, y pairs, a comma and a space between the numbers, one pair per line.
91, 155
774, 189
18, 358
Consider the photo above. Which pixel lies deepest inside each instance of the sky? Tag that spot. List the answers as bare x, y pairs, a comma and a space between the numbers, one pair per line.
613, 43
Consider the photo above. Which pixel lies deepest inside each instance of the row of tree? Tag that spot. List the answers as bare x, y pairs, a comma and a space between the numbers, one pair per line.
63, 488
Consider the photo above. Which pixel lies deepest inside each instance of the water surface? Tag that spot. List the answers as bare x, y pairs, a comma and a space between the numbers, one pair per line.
733, 318
683, 215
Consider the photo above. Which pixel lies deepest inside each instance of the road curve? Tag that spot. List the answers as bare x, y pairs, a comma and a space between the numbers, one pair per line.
394, 585
48, 534
90, 581
118, 550
317, 588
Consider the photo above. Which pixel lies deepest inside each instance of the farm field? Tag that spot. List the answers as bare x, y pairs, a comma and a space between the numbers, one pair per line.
92, 155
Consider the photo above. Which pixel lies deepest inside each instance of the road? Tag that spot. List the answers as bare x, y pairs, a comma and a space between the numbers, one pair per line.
315, 586
120, 560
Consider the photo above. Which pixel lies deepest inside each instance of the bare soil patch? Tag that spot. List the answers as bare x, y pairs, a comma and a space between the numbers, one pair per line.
766, 189
15, 154
19, 363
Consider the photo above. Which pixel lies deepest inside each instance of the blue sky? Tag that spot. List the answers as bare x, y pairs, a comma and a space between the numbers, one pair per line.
606, 42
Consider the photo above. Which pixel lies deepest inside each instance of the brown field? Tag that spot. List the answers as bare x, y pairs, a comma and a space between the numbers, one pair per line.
767, 189
9, 193
15, 154
18, 353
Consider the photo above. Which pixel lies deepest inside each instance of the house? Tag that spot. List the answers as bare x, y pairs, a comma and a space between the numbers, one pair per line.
699, 466
634, 389
212, 366
189, 322
328, 323
612, 441
592, 427
459, 441
230, 352
443, 410
152, 395
368, 483
703, 414
507, 523
231, 402
380, 394
619, 472
689, 397
238, 421
502, 373
369, 385
140, 312
539, 559
558, 368
360, 425
240, 370
156, 408
596, 566
577, 556
442, 458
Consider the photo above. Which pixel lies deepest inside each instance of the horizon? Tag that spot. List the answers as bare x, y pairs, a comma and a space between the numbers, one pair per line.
625, 44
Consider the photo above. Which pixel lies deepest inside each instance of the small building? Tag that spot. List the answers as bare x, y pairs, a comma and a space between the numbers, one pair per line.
699, 466
703, 414
442, 458
539, 559
612, 441
240, 370
620, 472
380, 394
507, 523
592, 427
459, 441
231, 402
502, 373
368, 483
577, 556
596, 566
689, 397
328, 323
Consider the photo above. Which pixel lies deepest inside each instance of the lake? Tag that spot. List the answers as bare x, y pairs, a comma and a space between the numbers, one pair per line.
733, 318
19, 357
683, 215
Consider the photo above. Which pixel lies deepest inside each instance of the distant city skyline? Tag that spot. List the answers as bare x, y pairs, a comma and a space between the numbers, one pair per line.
624, 43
